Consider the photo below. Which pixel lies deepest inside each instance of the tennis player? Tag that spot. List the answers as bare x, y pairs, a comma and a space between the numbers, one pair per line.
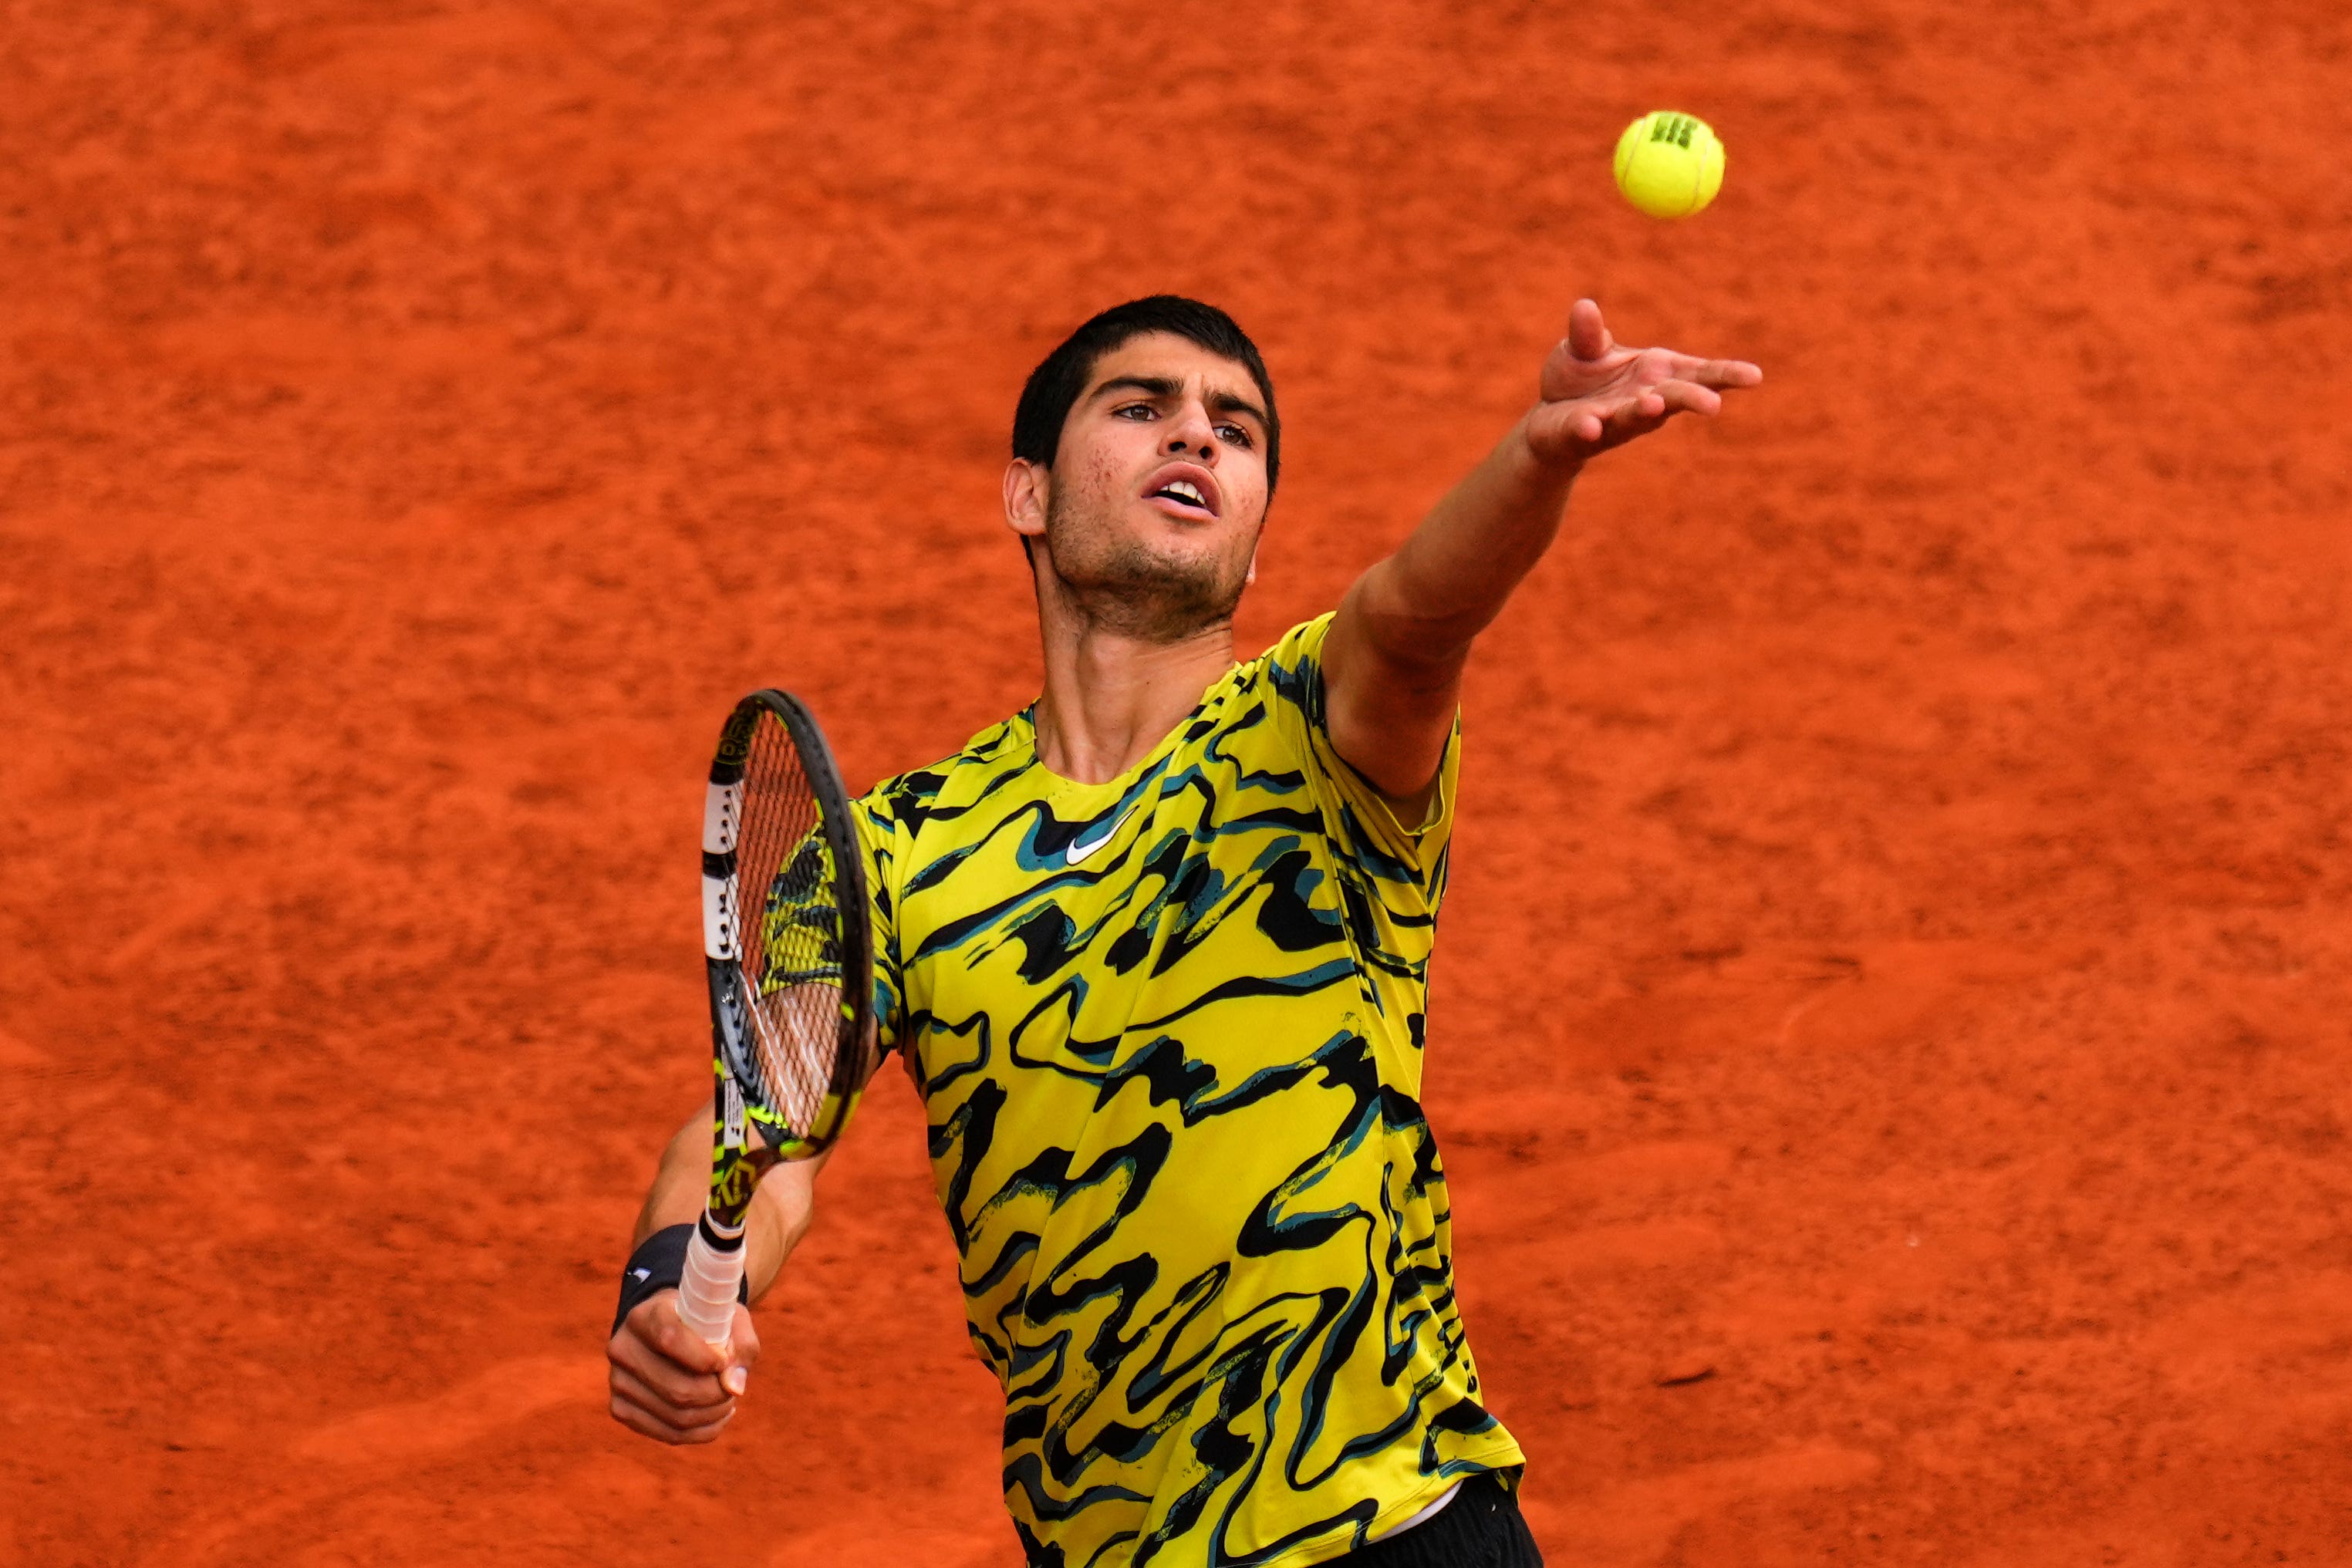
1154, 952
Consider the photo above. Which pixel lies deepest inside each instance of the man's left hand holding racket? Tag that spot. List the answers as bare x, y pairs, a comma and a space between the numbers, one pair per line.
787, 944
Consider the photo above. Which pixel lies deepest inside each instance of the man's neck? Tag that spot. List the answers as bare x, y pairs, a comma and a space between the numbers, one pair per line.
1111, 697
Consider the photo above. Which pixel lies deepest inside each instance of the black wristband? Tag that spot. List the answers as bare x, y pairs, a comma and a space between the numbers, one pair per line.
658, 1264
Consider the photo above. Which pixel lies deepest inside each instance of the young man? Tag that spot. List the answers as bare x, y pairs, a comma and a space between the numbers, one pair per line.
1154, 953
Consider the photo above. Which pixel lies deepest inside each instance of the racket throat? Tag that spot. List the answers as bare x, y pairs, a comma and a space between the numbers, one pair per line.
717, 1237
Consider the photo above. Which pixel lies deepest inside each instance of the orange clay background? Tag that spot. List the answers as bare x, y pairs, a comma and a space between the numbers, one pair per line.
1890, 1025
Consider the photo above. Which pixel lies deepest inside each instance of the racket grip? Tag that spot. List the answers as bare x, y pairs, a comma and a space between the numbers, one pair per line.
706, 1294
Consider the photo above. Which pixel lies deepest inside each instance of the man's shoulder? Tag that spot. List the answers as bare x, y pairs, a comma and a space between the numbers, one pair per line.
1302, 644
953, 783
1291, 669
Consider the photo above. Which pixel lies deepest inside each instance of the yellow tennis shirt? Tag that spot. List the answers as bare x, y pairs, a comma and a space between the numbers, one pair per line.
1169, 1036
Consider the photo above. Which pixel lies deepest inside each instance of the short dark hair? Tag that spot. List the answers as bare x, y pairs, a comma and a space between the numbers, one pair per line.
1055, 385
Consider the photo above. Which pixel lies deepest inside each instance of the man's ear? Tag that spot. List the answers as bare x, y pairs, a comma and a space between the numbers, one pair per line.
1251, 575
1028, 488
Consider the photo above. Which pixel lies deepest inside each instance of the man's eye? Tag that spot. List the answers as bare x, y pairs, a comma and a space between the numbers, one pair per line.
1138, 411
1235, 434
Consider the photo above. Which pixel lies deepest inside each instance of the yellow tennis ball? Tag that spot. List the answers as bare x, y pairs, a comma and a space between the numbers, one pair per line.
1669, 164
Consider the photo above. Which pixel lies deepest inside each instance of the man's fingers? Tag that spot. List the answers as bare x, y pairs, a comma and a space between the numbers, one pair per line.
1647, 410
1596, 427
677, 1368
656, 1321
658, 1403
1588, 335
1725, 373
641, 1409
644, 1422
629, 1388
678, 1385
1687, 397
1629, 420
671, 1385
744, 1350
1653, 406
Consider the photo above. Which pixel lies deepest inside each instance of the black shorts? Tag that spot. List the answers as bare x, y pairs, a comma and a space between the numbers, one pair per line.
1481, 1528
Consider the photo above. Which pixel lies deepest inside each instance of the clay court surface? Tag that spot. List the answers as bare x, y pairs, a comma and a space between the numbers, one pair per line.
1889, 1026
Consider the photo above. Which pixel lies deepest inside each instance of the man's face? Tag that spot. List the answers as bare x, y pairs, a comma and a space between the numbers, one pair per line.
1151, 514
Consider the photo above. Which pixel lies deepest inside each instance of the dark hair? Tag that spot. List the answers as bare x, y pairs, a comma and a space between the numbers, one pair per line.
1056, 384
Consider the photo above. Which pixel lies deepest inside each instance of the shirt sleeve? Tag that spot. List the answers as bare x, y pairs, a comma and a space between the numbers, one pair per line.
878, 838
1362, 821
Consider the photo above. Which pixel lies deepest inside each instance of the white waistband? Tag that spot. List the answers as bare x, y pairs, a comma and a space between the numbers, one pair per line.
1425, 1515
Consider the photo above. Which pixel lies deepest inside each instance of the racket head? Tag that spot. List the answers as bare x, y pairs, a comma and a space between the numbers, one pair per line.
787, 933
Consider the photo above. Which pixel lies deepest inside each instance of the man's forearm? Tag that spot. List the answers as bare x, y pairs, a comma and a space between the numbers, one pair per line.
1393, 659
1424, 604
782, 1207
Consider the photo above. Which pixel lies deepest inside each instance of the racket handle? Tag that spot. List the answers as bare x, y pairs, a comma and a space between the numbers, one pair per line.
706, 1295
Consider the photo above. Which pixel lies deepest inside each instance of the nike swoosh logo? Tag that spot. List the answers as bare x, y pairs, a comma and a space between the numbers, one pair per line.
1081, 849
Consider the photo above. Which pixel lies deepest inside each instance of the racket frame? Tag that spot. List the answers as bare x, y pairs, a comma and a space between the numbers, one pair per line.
749, 1134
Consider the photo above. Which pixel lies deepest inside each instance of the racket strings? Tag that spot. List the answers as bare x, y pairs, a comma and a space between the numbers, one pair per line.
787, 912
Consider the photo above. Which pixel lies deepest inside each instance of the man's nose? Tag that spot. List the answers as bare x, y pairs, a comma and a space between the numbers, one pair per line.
1192, 433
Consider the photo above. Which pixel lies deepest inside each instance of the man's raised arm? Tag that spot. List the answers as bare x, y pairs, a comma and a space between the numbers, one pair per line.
1392, 661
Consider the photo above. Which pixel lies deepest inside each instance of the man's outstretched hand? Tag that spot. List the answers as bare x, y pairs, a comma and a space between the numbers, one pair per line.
1597, 394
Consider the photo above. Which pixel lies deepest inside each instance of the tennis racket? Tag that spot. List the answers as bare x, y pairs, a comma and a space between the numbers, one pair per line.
787, 940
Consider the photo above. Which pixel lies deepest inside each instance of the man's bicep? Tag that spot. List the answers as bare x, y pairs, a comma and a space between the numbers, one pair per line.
1389, 714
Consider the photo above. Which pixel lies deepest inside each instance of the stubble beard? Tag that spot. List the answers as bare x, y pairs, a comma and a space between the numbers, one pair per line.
1121, 586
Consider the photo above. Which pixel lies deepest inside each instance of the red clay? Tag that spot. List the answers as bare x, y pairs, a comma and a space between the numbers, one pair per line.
1890, 1017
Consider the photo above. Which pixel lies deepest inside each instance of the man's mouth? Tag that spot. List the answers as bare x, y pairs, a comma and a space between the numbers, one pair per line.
1194, 495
